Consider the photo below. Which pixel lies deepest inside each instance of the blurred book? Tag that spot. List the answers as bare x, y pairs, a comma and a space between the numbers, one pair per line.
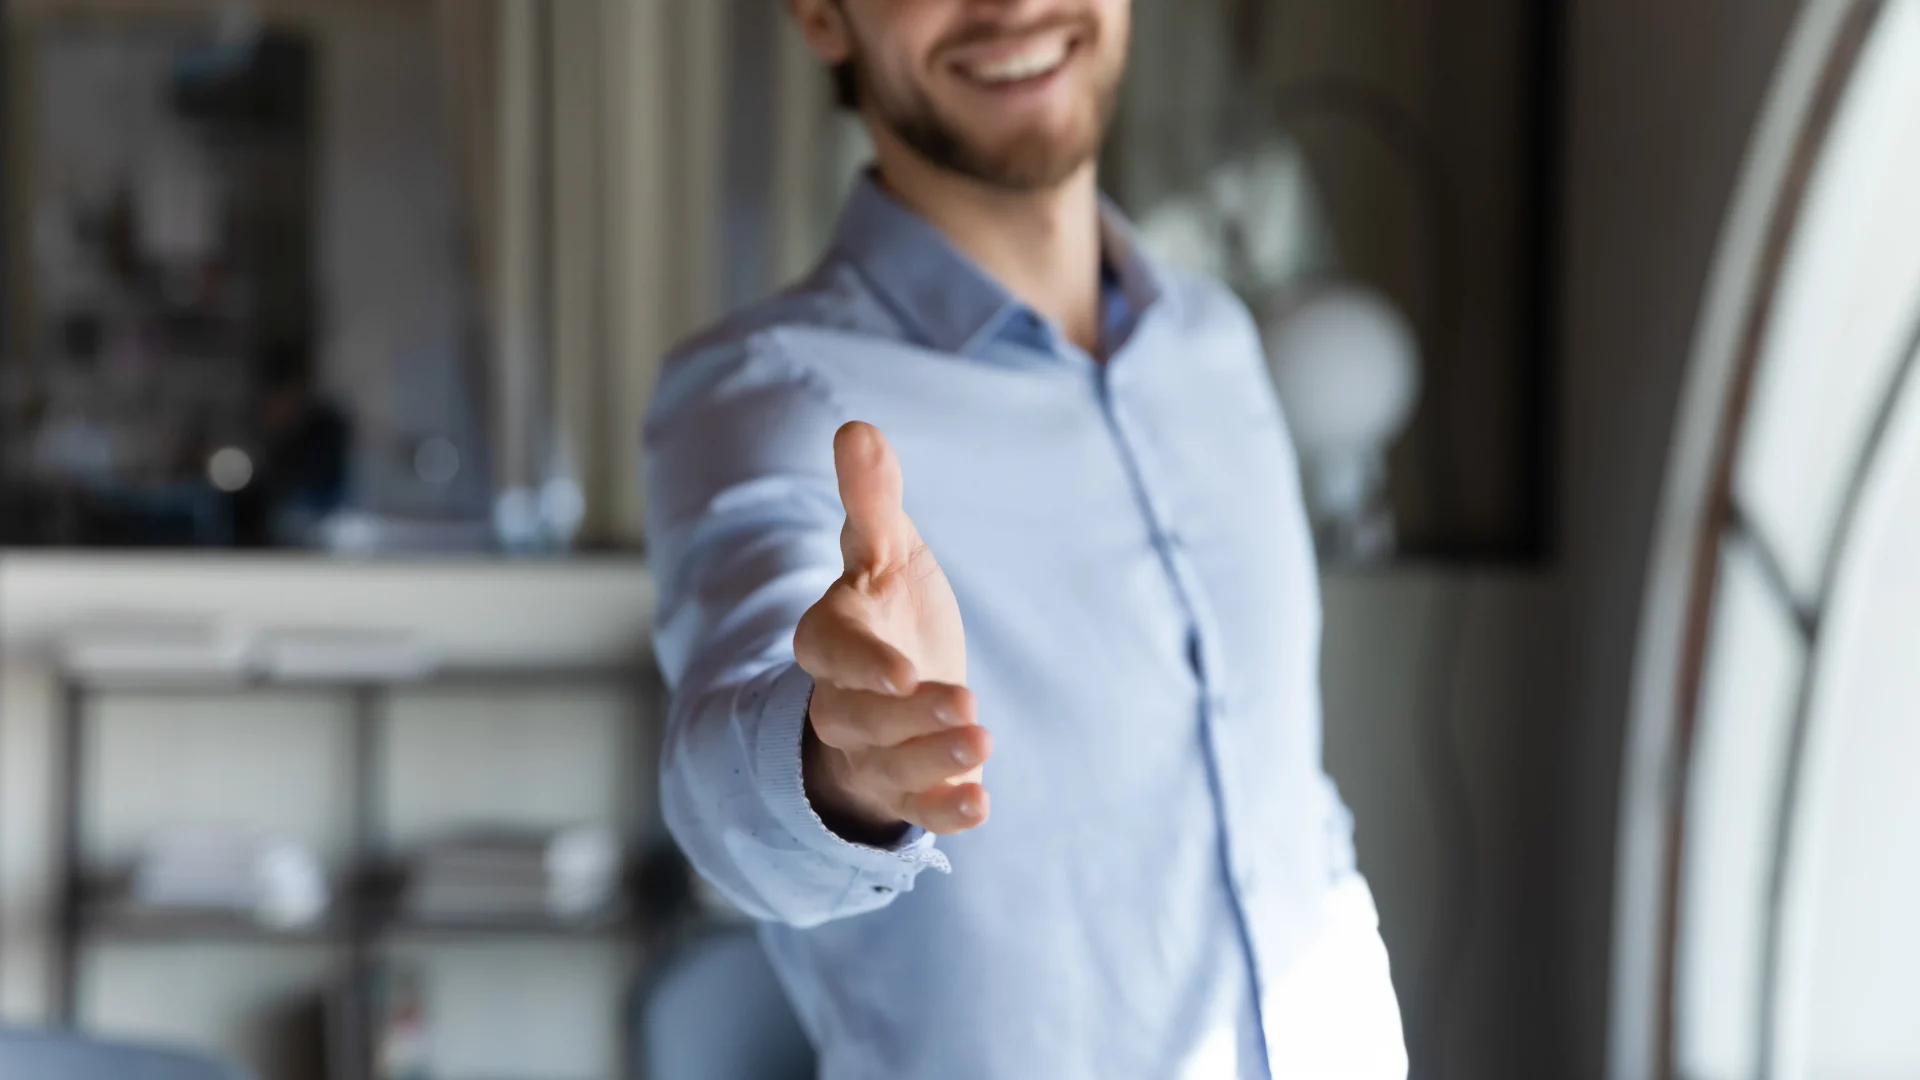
215, 870
570, 875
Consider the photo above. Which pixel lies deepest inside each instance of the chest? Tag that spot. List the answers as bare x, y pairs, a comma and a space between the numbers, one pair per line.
1152, 503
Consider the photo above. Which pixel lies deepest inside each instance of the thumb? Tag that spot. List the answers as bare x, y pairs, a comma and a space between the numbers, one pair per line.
877, 532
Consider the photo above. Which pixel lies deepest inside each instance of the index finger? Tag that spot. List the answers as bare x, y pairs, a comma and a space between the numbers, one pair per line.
835, 648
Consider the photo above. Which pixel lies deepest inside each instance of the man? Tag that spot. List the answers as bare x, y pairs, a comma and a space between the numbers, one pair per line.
1081, 530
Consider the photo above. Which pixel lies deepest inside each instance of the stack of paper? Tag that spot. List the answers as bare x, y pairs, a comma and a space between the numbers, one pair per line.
569, 874
226, 871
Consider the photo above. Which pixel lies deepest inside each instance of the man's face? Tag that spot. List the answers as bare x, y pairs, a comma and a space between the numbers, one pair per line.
1015, 94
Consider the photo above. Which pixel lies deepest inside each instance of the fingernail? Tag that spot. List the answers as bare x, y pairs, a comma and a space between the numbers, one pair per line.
964, 755
887, 685
946, 715
969, 809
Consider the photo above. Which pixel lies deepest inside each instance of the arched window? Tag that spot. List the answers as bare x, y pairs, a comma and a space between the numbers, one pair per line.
1787, 716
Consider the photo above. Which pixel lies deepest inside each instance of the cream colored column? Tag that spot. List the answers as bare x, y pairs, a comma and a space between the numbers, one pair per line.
577, 218
801, 210
517, 264
666, 89
702, 77
636, 155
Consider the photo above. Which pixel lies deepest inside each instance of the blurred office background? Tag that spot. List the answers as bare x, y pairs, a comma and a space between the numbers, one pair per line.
326, 714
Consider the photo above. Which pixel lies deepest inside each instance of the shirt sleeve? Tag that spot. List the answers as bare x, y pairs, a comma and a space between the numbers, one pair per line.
744, 517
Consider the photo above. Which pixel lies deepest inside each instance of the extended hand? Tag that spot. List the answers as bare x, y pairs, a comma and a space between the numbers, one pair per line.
893, 737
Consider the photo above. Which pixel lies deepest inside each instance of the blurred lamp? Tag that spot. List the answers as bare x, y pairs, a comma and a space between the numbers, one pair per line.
230, 469
1347, 367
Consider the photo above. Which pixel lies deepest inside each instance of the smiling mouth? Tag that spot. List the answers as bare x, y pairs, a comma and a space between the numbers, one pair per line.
1030, 65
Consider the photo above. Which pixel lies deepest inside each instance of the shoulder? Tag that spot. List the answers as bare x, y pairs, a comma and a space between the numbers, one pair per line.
1220, 335
743, 394
753, 347
1203, 304
1215, 328
832, 297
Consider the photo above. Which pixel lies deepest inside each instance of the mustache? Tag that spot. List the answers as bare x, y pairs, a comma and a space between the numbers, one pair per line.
986, 32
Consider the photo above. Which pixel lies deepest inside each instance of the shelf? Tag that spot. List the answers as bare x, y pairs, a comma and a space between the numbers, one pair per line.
368, 907
128, 923
572, 613
535, 927
368, 924
121, 923
383, 891
447, 680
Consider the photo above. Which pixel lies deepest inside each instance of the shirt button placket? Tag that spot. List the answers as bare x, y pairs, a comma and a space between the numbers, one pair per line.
1172, 554
1241, 869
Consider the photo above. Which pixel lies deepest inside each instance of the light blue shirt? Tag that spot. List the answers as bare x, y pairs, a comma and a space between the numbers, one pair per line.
1135, 574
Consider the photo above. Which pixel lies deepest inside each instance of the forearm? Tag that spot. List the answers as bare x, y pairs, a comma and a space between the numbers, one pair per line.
744, 525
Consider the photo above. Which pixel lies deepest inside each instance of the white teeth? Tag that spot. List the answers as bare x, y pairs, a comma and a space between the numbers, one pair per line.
1025, 66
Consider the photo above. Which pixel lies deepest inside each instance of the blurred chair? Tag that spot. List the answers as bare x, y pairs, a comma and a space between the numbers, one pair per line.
715, 1011
48, 1055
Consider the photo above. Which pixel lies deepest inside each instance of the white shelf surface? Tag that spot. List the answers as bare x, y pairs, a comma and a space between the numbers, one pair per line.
473, 612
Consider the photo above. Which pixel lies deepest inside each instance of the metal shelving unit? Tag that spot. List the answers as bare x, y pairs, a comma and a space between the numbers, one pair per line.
363, 919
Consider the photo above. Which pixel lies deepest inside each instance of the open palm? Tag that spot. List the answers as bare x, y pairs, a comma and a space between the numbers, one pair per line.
894, 733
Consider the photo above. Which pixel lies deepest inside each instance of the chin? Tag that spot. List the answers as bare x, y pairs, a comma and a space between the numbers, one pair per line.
1040, 159
1028, 139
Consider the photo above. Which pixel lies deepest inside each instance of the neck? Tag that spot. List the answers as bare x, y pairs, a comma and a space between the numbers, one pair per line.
1043, 246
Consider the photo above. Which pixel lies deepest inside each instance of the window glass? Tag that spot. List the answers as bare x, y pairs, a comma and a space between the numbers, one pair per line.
1845, 308
1854, 879
1752, 689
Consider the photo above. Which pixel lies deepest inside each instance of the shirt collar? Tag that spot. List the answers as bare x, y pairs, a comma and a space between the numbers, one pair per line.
946, 301
1138, 280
